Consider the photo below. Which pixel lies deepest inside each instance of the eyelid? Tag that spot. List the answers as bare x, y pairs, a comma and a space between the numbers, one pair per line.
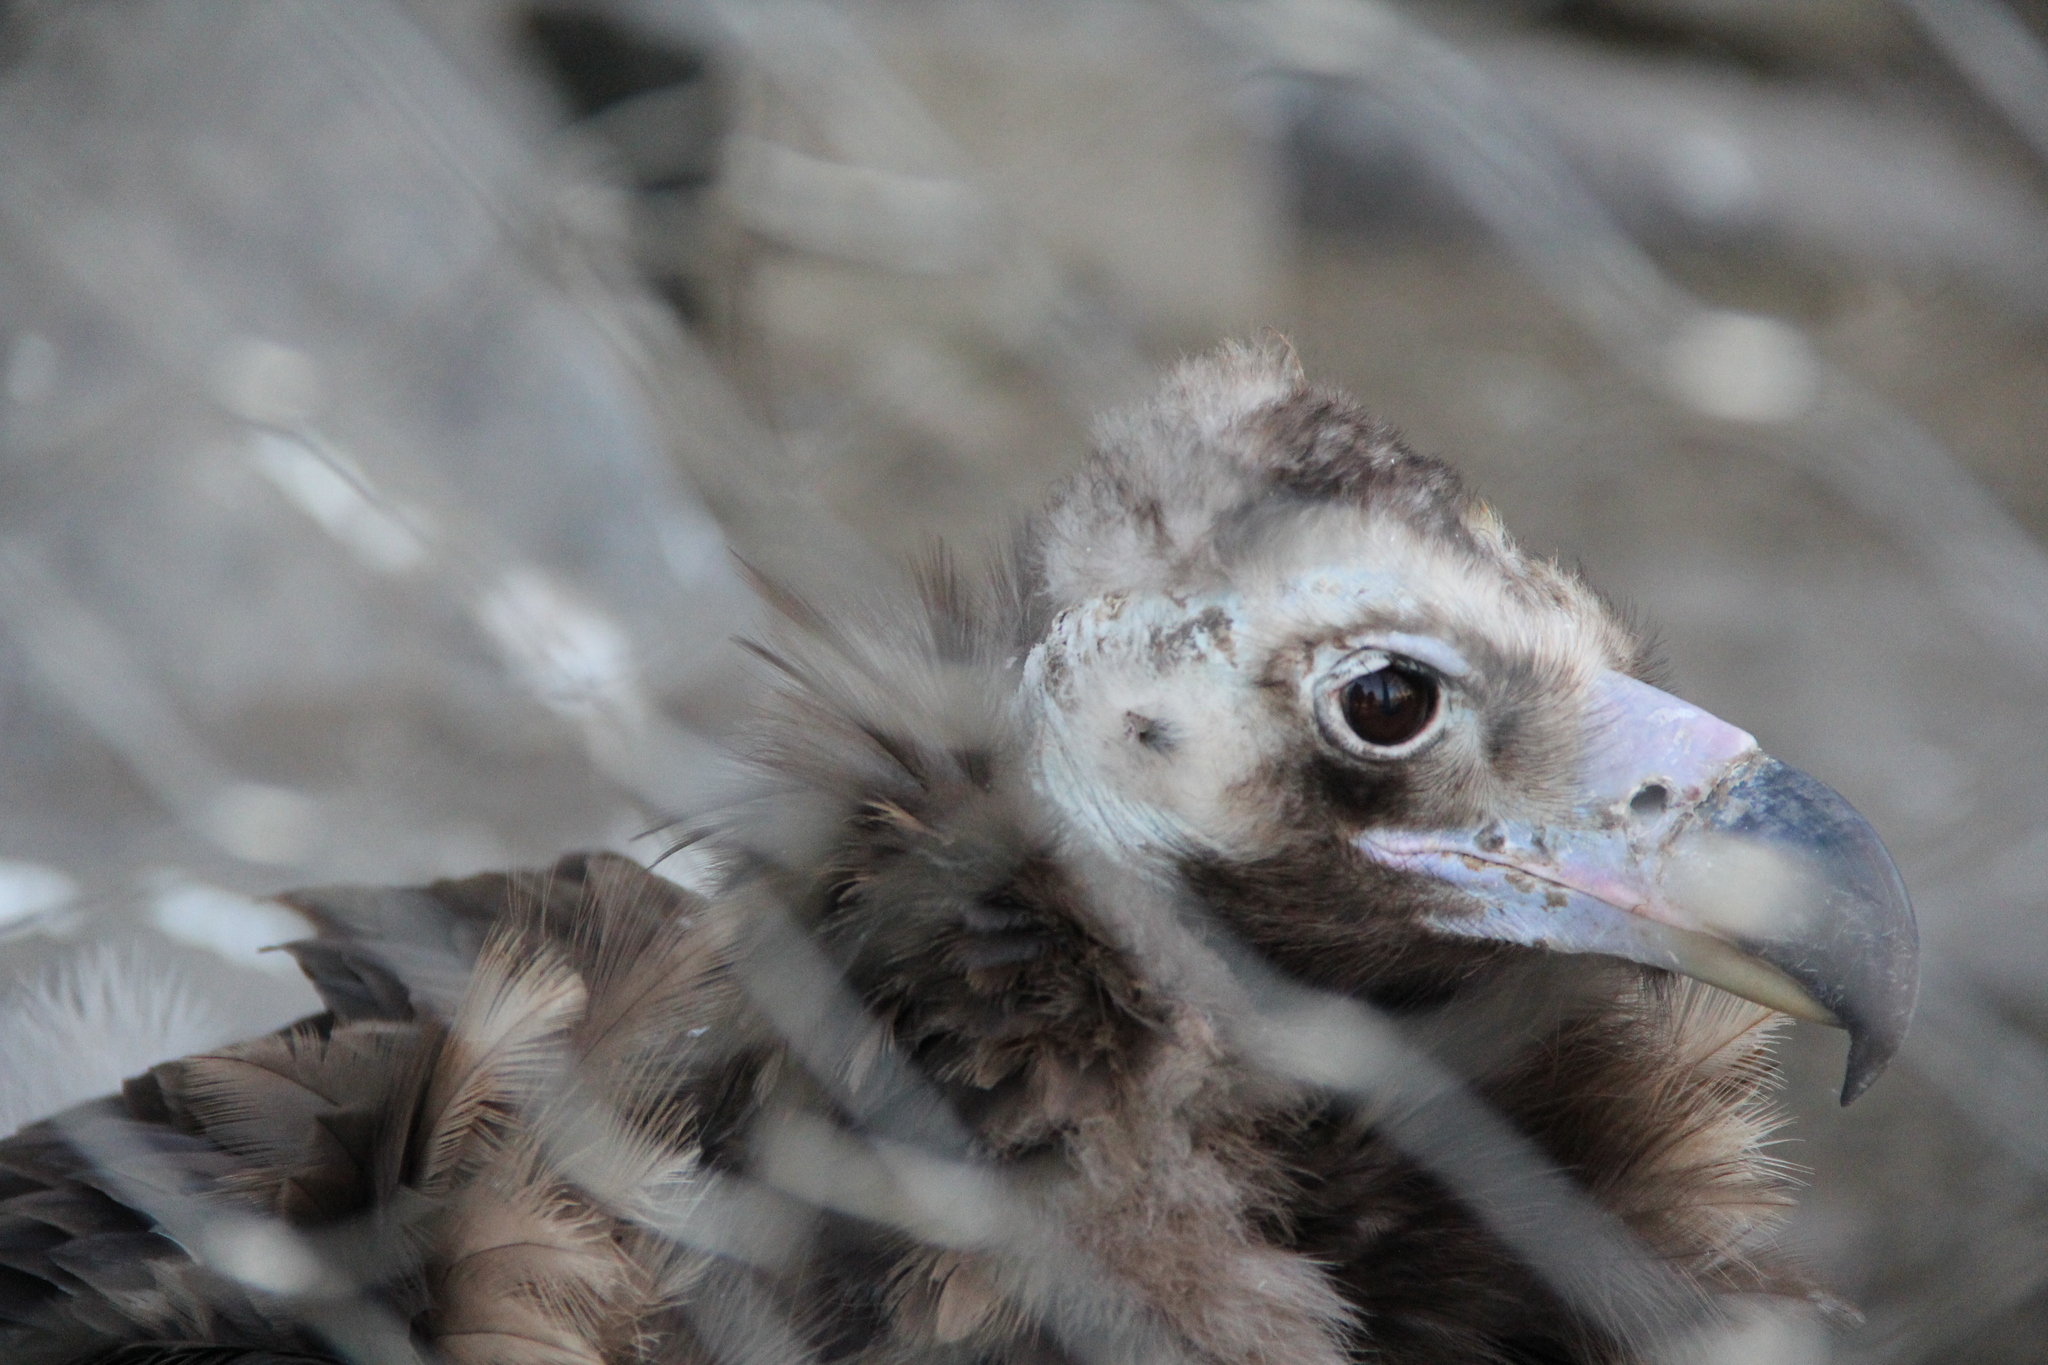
1423, 649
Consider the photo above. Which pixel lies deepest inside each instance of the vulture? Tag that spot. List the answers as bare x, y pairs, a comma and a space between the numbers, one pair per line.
1261, 915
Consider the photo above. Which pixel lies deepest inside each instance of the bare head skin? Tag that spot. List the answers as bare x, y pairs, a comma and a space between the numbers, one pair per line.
1284, 638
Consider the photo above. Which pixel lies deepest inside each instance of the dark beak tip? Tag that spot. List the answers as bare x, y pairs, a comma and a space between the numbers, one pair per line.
1880, 1012
1862, 1073
1874, 1041
1862, 961
1870, 1052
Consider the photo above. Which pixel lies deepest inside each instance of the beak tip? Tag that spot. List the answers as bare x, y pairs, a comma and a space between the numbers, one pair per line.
1881, 1012
1874, 1042
1868, 1058
1860, 961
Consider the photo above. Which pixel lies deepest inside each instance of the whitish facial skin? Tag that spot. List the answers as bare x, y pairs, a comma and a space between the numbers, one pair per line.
1169, 715
1483, 741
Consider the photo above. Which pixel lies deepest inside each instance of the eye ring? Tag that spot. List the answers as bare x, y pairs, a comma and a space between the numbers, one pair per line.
1384, 706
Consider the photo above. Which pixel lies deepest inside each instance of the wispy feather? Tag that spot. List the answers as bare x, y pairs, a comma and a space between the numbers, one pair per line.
305, 1110
528, 1274
99, 1016
506, 1046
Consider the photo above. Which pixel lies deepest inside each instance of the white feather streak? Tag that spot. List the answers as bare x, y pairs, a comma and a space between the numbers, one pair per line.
91, 1021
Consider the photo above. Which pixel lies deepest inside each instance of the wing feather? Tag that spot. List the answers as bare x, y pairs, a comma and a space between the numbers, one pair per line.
529, 1274
506, 1046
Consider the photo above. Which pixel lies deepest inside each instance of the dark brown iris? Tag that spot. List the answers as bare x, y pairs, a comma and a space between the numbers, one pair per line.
1389, 706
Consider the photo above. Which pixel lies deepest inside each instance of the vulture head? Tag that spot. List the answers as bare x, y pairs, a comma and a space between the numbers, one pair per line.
1299, 666
972, 1051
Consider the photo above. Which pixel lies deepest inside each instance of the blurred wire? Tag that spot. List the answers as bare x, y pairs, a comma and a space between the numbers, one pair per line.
1736, 367
1729, 365
285, 251
1999, 54
898, 193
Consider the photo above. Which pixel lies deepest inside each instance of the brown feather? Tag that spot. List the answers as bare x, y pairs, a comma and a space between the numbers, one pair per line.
525, 1273
564, 1079
505, 1047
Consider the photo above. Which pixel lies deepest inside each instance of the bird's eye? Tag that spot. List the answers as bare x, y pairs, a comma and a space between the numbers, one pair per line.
1389, 706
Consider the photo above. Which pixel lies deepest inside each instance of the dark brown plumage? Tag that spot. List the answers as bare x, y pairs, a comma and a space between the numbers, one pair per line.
971, 1054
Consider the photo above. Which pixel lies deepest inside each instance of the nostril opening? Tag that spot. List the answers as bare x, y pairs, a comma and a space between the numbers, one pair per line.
1649, 801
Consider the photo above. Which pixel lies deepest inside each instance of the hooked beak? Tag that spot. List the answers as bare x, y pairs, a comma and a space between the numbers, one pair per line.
1691, 849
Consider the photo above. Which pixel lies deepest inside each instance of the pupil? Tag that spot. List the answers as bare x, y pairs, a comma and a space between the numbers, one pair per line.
1389, 707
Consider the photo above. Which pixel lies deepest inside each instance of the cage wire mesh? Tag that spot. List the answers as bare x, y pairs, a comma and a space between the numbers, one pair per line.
393, 391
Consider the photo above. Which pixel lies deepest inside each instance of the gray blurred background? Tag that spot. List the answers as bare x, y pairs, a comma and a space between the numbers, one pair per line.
385, 386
